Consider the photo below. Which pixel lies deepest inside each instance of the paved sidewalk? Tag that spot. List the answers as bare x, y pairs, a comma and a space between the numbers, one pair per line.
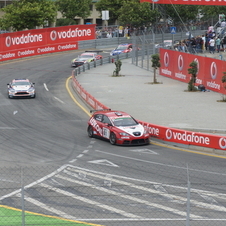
166, 104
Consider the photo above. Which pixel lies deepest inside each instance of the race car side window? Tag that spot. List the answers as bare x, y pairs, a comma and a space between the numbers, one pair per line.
98, 117
106, 120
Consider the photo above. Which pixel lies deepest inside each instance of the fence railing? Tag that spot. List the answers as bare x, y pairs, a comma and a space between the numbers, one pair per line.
69, 195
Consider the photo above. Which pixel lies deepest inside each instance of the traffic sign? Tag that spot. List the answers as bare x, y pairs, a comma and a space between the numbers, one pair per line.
173, 30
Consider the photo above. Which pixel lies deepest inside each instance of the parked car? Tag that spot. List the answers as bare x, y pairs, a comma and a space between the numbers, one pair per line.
118, 127
21, 88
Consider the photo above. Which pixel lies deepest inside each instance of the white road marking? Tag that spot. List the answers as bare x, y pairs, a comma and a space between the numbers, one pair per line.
59, 100
161, 164
128, 197
48, 208
173, 197
73, 160
46, 87
35, 182
85, 151
15, 112
83, 199
147, 151
103, 162
80, 156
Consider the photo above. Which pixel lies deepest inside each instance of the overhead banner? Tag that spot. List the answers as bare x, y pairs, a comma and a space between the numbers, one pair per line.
188, 2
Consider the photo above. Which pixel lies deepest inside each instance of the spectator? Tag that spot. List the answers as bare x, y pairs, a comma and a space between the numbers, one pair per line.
218, 44
203, 42
109, 35
223, 24
212, 45
224, 43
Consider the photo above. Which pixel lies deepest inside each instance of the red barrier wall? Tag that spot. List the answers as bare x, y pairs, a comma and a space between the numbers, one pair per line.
175, 65
41, 41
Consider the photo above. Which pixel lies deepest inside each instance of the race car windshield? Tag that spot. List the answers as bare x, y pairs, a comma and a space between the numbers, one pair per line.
124, 122
86, 56
21, 84
122, 47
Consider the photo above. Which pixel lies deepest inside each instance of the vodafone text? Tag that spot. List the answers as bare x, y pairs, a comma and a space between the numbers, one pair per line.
70, 33
187, 137
7, 55
96, 126
23, 39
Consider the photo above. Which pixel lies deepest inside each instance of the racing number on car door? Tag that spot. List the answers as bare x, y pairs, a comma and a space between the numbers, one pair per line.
106, 131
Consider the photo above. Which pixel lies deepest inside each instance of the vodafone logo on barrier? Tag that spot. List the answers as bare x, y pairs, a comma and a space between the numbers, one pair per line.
197, 61
70, 33
222, 143
213, 70
23, 39
186, 136
180, 62
166, 59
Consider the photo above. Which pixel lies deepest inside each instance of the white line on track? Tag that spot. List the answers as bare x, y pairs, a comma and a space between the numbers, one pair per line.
172, 197
134, 199
35, 182
46, 87
80, 156
59, 100
83, 199
160, 164
48, 208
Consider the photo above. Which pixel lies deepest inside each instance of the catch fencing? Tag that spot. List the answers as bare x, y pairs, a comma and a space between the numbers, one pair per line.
164, 195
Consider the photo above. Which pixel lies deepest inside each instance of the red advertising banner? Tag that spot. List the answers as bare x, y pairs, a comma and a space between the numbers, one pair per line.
41, 41
186, 137
188, 2
175, 65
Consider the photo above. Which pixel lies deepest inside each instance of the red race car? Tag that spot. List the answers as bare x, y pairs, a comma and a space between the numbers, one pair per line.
118, 127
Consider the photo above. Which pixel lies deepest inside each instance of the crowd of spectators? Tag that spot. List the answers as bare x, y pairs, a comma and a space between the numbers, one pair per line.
212, 41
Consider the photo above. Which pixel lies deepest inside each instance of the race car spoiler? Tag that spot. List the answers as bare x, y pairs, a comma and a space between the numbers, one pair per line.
91, 111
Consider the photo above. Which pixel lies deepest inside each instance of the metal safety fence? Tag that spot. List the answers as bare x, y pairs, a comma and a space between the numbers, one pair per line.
109, 194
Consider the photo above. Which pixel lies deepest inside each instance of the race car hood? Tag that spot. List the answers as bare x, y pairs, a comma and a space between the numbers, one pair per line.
117, 51
137, 130
21, 87
80, 60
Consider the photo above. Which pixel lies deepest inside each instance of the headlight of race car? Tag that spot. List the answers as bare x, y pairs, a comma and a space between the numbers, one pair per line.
31, 89
124, 134
11, 90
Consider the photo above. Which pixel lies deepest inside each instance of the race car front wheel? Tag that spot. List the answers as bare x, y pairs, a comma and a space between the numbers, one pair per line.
90, 131
112, 138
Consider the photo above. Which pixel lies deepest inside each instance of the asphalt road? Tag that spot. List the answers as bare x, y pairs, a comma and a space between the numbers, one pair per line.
45, 140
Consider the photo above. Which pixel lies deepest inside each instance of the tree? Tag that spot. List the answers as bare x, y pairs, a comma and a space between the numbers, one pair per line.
210, 11
137, 14
118, 65
74, 8
128, 12
27, 14
193, 72
112, 6
180, 13
155, 59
